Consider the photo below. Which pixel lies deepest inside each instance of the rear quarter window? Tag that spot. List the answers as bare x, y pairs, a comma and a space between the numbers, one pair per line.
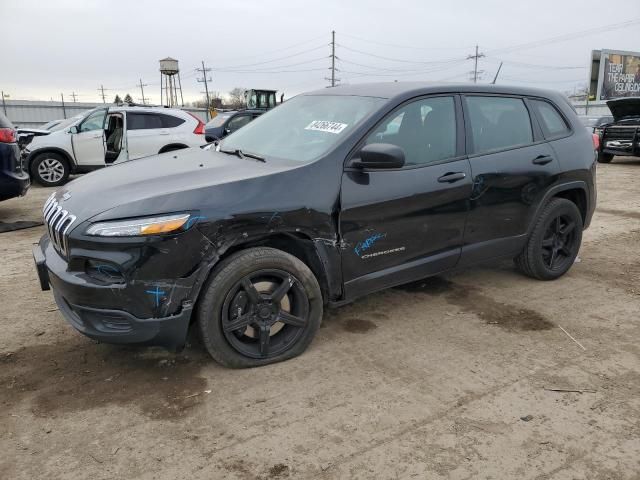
552, 123
169, 121
143, 121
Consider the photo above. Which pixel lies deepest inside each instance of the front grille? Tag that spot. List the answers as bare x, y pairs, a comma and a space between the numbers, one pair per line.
58, 222
619, 133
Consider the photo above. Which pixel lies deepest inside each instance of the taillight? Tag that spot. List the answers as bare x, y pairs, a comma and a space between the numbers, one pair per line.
199, 130
7, 135
596, 141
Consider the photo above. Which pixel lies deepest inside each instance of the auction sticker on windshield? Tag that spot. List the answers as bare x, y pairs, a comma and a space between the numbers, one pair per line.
326, 126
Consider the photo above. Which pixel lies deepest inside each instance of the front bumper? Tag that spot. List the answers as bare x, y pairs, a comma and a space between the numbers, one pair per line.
94, 310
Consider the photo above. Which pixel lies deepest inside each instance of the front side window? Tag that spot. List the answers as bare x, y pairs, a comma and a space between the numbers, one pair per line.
551, 121
95, 121
238, 122
498, 123
303, 128
424, 129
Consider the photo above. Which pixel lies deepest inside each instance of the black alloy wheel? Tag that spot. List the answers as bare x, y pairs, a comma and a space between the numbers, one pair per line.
265, 313
260, 305
558, 243
554, 241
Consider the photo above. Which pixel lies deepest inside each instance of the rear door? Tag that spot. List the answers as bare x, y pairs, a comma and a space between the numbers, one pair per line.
402, 224
146, 134
88, 141
512, 167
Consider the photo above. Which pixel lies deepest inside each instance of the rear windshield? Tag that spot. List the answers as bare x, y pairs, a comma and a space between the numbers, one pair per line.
303, 128
4, 122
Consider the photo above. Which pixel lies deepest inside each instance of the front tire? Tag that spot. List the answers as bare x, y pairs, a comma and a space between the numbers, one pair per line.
260, 306
50, 170
554, 242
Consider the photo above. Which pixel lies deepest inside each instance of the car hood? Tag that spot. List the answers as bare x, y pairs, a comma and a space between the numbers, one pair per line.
173, 181
624, 107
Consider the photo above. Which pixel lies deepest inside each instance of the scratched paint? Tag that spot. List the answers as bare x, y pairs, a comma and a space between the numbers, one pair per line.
157, 293
367, 243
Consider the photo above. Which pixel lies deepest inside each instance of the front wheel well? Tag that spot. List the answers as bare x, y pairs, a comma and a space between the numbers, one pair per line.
579, 197
299, 246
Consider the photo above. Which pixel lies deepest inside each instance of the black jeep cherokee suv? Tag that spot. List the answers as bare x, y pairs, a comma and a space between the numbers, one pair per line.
333, 195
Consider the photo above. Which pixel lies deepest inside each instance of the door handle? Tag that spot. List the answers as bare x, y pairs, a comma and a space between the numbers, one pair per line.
542, 160
164, 132
97, 136
452, 177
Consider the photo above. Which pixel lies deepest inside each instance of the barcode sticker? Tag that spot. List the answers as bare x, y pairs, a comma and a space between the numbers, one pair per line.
326, 126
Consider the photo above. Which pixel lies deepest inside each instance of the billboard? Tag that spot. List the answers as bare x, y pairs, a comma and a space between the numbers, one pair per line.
614, 74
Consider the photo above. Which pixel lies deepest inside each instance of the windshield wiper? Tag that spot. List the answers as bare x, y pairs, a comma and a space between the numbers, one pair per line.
241, 154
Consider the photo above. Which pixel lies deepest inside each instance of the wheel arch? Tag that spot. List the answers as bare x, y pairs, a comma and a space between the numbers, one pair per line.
294, 243
32, 156
575, 192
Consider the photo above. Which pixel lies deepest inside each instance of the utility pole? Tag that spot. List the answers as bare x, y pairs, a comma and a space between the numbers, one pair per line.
475, 68
74, 95
333, 68
204, 79
142, 85
4, 104
101, 89
64, 110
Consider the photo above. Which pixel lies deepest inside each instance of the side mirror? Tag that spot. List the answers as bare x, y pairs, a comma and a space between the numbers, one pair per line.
227, 131
379, 156
74, 129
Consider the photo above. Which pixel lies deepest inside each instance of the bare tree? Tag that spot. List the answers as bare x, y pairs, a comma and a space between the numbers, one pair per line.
236, 98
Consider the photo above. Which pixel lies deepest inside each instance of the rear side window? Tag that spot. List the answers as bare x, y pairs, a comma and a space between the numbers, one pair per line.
148, 121
498, 123
552, 123
169, 121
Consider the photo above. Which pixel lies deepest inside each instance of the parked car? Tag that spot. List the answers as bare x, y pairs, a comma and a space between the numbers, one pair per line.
622, 135
592, 123
107, 134
14, 181
227, 122
314, 204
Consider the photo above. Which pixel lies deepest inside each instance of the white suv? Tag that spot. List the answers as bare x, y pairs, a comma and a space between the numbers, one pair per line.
106, 135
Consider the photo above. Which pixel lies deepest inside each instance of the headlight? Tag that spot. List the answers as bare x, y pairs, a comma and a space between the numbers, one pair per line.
139, 226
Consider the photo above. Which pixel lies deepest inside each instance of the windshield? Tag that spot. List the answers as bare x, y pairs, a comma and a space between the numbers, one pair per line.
302, 129
218, 120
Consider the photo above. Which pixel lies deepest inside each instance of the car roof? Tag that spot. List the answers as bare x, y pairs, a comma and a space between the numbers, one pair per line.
391, 90
149, 109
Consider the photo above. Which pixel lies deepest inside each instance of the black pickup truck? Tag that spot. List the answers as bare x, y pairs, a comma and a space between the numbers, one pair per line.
622, 136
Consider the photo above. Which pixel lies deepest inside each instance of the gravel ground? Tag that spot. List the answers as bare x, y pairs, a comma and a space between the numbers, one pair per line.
447, 378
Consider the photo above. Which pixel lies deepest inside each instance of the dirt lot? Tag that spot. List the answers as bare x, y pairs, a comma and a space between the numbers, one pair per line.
446, 378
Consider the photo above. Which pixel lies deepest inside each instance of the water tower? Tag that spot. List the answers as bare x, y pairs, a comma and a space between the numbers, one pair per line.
169, 89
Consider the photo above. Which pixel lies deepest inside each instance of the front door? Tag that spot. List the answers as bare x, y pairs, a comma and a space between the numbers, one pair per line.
404, 224
88, 140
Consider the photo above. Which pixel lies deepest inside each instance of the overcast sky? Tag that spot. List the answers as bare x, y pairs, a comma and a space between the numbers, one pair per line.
67, 46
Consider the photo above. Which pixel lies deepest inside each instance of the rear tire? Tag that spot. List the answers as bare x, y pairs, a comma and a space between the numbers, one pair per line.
260, 306
605, 157
50, 169
554, 242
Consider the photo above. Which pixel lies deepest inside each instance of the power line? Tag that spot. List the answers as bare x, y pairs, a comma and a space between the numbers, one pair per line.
274, 59
433, 62
275, 66
565, 37
279, 49
413, 47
